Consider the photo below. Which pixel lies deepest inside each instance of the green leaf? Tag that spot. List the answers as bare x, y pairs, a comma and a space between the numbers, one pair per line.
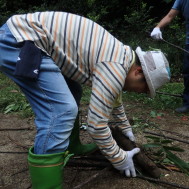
160, 152
153, 114
166, 141
157, 139
177, 161
152, 145
172, 148
167, 161
9, 108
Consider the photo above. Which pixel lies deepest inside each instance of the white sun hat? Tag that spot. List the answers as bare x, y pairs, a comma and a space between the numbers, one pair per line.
155, 67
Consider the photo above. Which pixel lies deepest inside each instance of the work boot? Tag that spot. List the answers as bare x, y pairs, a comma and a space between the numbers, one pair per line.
75, 147
46, 170
183, 109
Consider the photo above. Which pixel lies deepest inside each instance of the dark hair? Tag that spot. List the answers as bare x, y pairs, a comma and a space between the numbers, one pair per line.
137, 61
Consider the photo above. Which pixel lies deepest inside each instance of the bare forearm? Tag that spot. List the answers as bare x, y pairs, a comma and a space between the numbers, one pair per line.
168, 18
164, 22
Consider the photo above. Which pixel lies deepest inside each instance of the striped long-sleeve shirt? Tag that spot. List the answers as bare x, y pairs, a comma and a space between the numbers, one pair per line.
87, 53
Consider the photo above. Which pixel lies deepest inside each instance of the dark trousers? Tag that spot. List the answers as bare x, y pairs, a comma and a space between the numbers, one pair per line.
75, 89
186, 78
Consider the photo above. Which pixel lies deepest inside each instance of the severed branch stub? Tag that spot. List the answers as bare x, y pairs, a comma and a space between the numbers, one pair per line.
141, 160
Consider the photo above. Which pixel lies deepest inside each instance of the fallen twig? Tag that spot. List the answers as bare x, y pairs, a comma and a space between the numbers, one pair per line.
173, 138
174, 133
18, 144
20, 172
11, 152
15, 129
93, 177
169, 167
80, 164
87, 168
162, 182
91, 157
168, 94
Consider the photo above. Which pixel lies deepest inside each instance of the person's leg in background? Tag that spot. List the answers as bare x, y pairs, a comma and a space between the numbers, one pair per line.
185, 107
55, 111
75, 146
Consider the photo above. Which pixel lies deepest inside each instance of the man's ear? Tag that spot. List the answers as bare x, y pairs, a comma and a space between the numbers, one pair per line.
138, 70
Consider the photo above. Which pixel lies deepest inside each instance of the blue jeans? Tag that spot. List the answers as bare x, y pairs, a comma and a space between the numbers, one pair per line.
49, 96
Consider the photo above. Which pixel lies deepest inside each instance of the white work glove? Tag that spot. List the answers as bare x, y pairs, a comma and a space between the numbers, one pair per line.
130, 135
156, 34
128, 166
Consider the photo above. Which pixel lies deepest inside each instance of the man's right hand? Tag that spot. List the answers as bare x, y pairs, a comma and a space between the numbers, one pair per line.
128, 166
156, 34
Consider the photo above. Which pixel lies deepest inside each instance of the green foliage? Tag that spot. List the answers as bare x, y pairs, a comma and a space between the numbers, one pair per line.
177, 161
160, 102
139, 17
9, 8
86, 95
130, 21
139, 124
16, 107
155, 114
161, 150
12, 99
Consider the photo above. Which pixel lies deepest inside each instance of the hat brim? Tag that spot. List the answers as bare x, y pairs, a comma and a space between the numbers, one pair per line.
140, 54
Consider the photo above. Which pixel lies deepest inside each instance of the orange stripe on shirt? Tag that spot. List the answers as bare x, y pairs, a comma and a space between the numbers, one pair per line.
104, 46
97, 110
116, 54
23, 30
117, 73
81, 42
99, 125
80, 46
44, 38
94, 42
115, 160
31, 21
56, 26
69, 35
100, 136
107, 145
55, 35
102, 97
104, 79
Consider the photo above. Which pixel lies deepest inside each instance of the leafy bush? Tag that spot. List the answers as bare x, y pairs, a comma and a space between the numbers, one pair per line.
12, 99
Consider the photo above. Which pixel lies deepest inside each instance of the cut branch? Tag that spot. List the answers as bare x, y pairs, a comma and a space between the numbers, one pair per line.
15, 129
141, 160
161, 135
18, 144
168, 94
162, 182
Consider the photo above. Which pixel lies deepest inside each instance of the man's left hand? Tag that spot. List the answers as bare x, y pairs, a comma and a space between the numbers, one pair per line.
130, 135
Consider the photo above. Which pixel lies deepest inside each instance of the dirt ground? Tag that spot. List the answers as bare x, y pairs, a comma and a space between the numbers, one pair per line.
17, 135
